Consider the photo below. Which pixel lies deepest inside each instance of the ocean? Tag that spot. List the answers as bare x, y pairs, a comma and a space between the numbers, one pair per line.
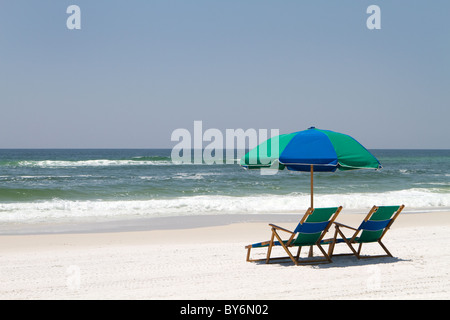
47, 186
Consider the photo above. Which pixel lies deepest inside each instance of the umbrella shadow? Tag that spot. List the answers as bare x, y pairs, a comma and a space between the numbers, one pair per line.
352, 261
338, 262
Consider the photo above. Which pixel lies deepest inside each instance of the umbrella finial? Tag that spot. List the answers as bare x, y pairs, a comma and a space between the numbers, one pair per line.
311, 128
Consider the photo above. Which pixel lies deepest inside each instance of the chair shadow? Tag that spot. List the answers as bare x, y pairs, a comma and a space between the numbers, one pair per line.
352, 261
337, 262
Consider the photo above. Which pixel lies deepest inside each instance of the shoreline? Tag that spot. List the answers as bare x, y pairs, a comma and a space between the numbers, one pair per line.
127, 224
198, 227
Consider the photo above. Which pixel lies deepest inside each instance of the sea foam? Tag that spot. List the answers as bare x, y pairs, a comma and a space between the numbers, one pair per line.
206, 205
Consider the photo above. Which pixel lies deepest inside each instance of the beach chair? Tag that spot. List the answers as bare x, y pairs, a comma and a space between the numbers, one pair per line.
308, 233
372, 229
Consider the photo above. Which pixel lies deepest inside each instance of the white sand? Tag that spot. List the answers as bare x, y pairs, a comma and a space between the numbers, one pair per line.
209, 263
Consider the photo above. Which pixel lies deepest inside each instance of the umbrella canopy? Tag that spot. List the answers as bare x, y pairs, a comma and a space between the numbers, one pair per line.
311, 150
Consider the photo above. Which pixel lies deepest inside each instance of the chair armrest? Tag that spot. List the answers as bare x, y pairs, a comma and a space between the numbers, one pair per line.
280, 228
337, 224
327, 241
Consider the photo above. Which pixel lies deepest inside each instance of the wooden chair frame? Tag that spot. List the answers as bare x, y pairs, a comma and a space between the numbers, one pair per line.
352, 240
289, 243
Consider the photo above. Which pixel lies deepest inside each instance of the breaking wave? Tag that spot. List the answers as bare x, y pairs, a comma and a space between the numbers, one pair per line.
214, 205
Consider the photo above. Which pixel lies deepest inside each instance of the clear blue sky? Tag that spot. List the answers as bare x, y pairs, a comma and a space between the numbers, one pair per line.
137, 70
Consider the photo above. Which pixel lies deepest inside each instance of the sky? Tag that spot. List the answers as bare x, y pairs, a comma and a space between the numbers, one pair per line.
137, 70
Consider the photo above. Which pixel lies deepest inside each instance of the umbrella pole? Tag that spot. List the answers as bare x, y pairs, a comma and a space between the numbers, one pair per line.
312, 181
310, 254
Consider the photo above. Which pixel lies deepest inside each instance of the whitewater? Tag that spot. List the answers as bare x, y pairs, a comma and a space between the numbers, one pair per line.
50, 186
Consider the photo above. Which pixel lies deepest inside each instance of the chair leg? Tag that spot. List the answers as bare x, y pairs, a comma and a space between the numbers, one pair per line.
298, 253
269, 250
324, 253
385, 249
333, 243
326, 258
348, 243
286, 249
388, 254
358, 255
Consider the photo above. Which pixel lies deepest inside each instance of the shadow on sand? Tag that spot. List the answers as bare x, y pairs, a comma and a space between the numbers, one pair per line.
338, 262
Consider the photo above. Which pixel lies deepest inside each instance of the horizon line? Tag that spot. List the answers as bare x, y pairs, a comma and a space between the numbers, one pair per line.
166, 148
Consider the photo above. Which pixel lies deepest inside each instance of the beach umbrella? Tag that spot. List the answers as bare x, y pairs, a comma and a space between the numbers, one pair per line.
310, 150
